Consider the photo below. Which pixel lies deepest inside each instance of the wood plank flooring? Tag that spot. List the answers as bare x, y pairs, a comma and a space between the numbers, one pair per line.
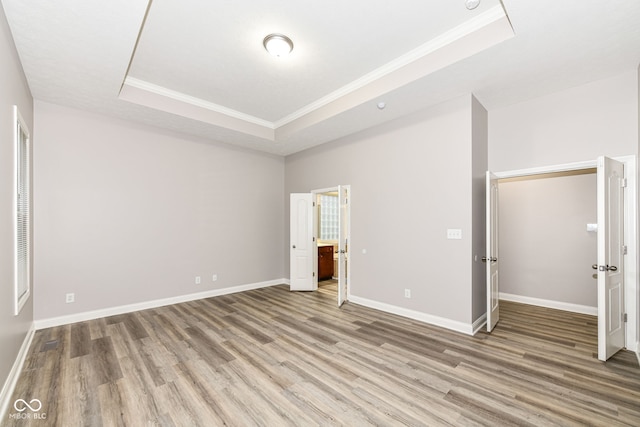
271, 357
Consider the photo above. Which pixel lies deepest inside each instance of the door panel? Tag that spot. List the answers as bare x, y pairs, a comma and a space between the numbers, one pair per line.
302, 247
343, 244
492, 257
611, 331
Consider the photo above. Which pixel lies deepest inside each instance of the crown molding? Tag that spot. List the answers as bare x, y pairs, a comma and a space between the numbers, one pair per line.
468, 27
198, 102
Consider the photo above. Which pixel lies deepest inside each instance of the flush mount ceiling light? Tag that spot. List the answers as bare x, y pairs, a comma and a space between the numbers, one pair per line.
278, 44
472, 4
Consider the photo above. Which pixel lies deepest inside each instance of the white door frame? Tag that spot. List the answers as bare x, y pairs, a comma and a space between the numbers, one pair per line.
492, 256
630, 230
315, 232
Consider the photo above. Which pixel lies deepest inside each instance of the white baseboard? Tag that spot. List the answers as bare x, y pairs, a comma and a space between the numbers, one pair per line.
558, 305
638, 351
112, 311
479, 324
10, 384
454, 325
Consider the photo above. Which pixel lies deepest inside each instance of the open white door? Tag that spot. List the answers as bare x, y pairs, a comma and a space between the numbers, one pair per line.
302, 245
491, 258
611, 331
343, 244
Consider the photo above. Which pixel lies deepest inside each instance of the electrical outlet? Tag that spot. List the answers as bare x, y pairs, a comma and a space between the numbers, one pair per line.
198, 280
407, 293
71, 297
214, 277
454, 233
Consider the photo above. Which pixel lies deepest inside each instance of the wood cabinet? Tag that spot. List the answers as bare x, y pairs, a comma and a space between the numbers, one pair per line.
325, 262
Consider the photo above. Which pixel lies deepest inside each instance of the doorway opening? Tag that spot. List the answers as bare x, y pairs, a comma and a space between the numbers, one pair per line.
548, 240
320, 237
617, 294
332, 231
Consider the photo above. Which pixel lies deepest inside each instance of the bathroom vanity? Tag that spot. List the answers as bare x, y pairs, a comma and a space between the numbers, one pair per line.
325, 262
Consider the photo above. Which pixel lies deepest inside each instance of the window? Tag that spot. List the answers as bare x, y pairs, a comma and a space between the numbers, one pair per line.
328, 217
23, 211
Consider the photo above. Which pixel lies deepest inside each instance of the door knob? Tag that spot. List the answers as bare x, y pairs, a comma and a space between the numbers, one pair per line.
604, 267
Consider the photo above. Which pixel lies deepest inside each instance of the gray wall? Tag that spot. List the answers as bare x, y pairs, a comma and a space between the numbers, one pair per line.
13, 91
545, 249
127, 213
577, 124
411, 180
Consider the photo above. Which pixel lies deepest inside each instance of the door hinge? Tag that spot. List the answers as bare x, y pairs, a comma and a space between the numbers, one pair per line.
623, 181
314, 274
624, 317
313, 239
624, 249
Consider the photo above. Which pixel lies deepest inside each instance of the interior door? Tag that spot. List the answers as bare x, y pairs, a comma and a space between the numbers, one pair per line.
491, 257
611, 331
302, 244
343, 244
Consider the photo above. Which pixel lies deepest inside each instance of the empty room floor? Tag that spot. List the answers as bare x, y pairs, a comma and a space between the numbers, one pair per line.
273, 357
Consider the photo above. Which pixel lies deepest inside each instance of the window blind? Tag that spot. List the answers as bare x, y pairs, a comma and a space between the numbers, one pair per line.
23, 215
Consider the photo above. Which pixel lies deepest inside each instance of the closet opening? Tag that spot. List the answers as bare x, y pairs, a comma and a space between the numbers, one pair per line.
548, 240
541, 257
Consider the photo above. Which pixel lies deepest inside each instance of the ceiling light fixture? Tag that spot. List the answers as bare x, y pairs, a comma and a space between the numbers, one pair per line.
278, 44
472, 4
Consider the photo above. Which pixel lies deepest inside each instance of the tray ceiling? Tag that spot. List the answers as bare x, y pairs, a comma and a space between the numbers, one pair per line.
199, 67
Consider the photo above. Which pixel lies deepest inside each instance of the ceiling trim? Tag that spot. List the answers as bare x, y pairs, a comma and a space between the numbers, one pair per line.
198, 102
447, 38
186, 108
468, 27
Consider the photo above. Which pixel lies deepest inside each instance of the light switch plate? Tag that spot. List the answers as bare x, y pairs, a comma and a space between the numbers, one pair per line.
454, 233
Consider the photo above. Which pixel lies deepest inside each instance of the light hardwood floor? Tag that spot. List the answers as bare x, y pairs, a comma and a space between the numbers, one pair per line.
271, 357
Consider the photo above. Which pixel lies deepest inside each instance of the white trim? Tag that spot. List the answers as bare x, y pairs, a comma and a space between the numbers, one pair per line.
325, 190
10, 384
638, 351
315, 228
198, 102
466, 28
631, 288
19, 123
112, 311
479, 324
565, 167
471, 26
558, 305
454, 325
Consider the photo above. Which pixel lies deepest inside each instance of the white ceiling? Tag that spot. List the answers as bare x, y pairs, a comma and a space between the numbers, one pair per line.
198, 66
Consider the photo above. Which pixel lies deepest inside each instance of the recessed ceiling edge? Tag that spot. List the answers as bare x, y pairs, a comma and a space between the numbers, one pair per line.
478, 33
